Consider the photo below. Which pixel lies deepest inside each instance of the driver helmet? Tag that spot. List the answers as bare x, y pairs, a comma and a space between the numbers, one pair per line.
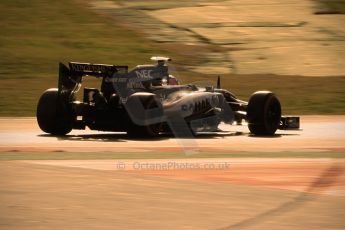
172, 80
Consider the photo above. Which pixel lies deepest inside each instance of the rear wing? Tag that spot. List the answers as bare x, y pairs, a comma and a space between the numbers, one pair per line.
70, 77
96, 69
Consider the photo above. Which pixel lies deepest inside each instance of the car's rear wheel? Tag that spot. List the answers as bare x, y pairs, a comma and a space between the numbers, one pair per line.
263, 113
52, 116
144, 125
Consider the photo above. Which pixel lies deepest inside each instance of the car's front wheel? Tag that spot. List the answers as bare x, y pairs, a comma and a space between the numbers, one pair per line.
263, 113
52, 116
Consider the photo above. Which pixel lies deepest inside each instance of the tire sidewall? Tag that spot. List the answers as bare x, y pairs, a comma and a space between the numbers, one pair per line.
52, 115
258, 116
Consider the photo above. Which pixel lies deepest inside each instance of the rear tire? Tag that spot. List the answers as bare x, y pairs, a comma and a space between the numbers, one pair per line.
263, 113
52, 116
145, 129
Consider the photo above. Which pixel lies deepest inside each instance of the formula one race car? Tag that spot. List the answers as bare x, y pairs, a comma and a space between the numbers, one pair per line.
148, 100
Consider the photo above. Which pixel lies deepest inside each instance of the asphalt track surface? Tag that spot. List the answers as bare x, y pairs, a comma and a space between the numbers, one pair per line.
318, 133
249, 193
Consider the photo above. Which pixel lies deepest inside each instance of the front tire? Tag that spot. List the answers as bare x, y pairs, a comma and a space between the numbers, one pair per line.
52, 116
263, 113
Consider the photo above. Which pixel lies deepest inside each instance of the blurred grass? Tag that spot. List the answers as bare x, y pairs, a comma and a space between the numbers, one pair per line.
159, 155
330, 7
38, 34
298, 95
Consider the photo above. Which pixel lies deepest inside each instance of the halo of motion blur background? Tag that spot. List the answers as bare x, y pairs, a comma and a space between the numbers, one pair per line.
293, 48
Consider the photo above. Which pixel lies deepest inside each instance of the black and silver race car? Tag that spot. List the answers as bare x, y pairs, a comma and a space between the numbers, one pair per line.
147, 101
